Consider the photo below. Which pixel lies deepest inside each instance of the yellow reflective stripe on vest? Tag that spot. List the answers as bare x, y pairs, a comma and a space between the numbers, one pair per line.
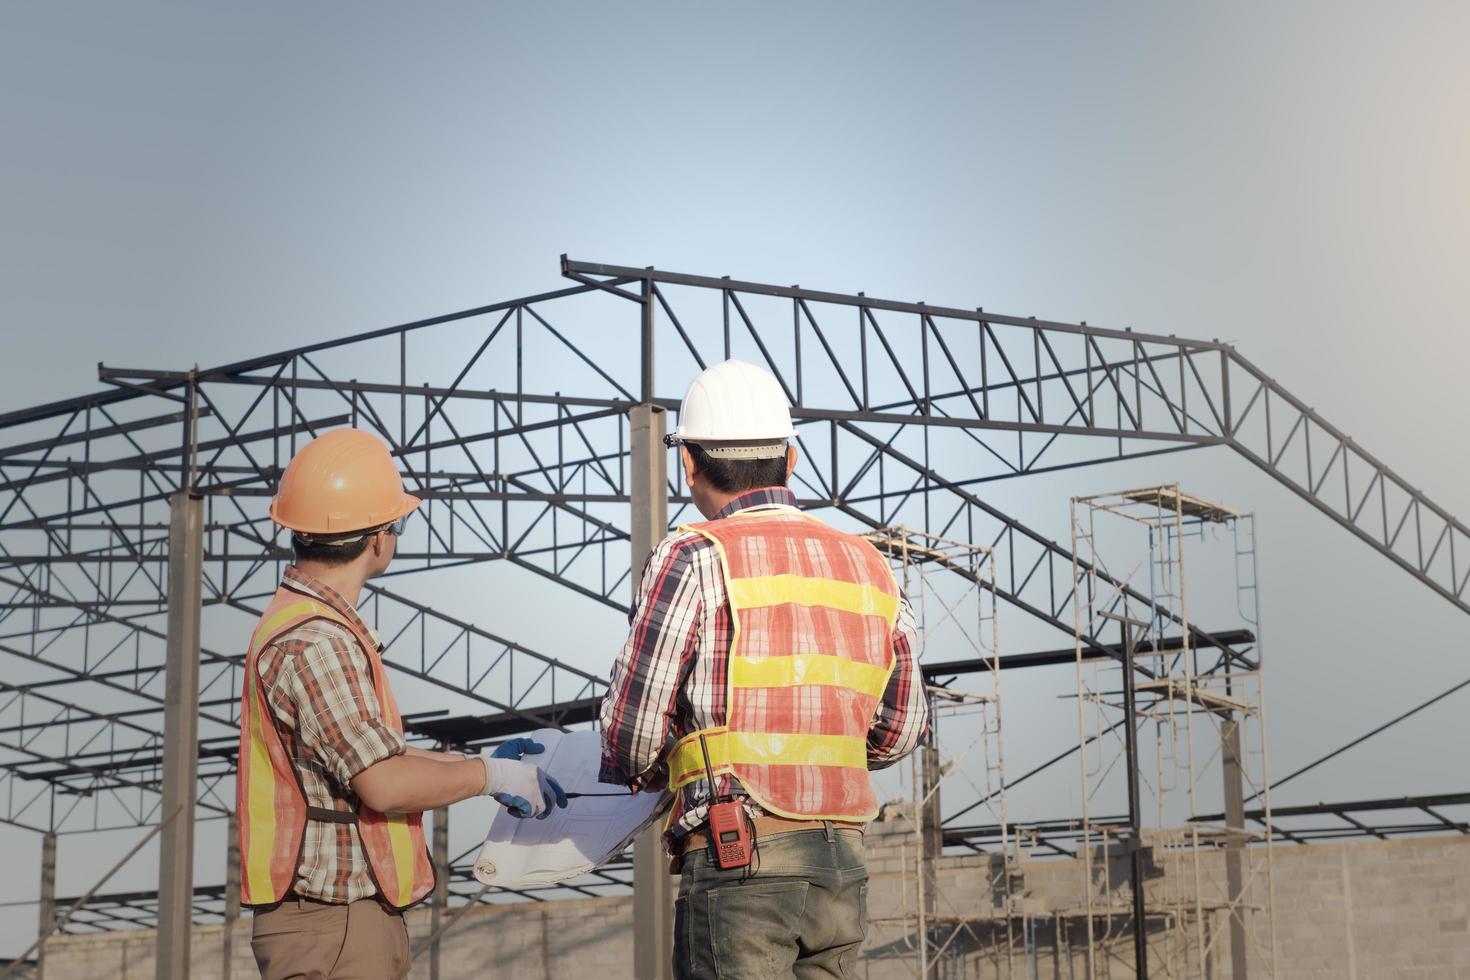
808, 668
295, 610
403, 856
727, 749
775, 590
262, 802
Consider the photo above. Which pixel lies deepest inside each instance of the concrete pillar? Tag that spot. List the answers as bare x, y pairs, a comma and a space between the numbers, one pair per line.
48, 900
232, 893
441, 885
1234, 846
653, 896
930, 822
180, 734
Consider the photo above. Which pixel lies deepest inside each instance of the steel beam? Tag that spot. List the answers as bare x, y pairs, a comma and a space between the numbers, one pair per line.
653, 896
180, 735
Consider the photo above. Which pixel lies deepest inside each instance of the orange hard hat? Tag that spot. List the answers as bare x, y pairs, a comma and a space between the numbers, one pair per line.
342, 481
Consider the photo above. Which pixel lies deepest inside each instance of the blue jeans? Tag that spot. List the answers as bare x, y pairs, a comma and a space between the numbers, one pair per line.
800, 910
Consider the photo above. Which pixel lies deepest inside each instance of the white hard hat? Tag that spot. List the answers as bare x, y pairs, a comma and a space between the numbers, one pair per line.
735, 410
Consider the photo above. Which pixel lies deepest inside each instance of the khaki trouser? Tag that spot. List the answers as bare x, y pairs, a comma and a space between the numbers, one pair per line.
305, 940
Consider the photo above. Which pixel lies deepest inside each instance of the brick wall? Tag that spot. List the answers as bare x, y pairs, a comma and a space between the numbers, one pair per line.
1354, 911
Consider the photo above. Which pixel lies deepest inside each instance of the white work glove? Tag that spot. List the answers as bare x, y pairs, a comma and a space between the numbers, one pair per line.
521, 787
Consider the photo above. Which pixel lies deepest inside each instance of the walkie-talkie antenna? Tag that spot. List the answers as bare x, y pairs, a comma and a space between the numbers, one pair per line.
709, 770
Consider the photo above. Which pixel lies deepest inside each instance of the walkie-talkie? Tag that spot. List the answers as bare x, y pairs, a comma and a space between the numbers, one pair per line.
727, 824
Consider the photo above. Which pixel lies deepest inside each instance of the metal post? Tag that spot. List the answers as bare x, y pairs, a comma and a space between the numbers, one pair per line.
48, 899
1135, 809
653, 897
232, 893
1234, 844
180, 734
441, 885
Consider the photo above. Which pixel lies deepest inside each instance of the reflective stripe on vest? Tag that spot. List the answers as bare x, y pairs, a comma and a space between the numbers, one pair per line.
812, 613
271, 802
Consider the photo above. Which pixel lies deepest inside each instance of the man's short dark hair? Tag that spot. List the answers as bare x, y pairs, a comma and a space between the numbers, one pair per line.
738, 475
328, 553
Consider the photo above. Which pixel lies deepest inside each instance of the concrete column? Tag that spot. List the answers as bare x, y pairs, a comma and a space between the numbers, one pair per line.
653, 896
180, 735
1234, 846
48, 900
232, 893
930, 822
441, 885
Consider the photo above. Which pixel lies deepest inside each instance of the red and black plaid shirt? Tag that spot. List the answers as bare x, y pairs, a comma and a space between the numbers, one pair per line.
670, 678
319, 685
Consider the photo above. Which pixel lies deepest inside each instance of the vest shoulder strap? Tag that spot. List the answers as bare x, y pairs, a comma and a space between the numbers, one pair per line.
294, 614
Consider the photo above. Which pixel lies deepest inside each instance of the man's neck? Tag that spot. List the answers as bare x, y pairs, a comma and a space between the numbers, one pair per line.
346, 580
717, 502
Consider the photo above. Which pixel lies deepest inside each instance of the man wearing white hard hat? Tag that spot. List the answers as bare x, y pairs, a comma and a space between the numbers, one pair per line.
770, 665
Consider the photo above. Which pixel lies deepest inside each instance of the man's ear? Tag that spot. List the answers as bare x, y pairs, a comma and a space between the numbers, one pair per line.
791, 456
688, 459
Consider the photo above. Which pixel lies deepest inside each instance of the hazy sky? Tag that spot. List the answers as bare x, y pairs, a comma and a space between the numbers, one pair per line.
196, 183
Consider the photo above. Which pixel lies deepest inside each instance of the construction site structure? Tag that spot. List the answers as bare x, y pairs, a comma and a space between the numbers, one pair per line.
136, 551
1171, 742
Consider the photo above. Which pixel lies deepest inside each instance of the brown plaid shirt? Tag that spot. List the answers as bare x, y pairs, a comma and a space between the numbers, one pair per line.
320, 688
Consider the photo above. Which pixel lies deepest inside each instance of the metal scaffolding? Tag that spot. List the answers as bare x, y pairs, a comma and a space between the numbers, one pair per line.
519, 423
947, 583
1174, 718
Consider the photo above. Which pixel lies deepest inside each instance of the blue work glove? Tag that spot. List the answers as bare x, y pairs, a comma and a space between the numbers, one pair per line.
516, 748
522, 787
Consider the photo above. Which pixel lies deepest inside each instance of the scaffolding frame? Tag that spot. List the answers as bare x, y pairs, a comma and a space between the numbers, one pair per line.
1206, 713
933, 923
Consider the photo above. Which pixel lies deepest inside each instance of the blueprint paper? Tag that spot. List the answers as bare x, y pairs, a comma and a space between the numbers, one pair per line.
591, 829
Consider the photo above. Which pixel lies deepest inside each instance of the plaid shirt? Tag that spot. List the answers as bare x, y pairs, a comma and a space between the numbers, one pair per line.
319, 686
670, 678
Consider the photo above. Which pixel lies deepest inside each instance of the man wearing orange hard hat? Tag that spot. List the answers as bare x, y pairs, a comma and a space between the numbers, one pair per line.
329, 797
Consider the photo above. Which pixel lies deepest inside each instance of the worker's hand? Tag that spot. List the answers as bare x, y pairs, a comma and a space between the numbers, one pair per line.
516, 748
522, 787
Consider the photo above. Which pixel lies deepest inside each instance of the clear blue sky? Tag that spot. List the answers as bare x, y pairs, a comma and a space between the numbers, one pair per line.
196, 183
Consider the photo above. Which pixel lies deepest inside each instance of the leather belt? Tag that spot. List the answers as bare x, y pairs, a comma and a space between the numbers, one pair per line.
763, 827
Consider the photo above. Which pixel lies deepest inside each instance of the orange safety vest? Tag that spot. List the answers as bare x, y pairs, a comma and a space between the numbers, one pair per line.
271, 801
812, 611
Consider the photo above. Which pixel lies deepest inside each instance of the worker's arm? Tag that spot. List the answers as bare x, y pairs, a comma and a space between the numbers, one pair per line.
324, 686
647, 675
421, 780
418, 753
902, 721
413, 783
